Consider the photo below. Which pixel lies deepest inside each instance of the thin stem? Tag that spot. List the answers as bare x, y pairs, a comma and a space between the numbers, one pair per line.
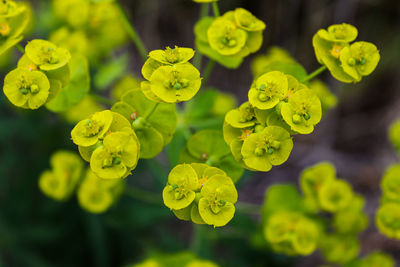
216, 9
143, 195
102, 99
20, 48
248, 208
198, 56
152, 110
133, 34
314, 73
207, 71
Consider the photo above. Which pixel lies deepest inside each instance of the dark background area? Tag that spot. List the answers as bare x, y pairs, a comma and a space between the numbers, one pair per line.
36, 231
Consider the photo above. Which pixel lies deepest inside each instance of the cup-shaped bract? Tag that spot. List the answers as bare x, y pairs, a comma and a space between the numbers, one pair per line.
60, 182
394, 134
352, 219
291, 233
335, 195
359, 59
388, 220
268, 90
117, 157
377, 259
97, 195
216, 207
339, 33
270, 147
391, 183
47, 55
26, 89
179, 192
154, 123
173, 84
88, 131
302, 111
339, 249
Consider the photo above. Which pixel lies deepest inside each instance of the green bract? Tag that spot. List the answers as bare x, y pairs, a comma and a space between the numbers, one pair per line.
388, 220
339, 33
351, 220
208, 146
97, 195
26, 89
377, 259
172, 56
153, 123
291, 233
268, 148
268, 90
47, 55
230, 37
302, 111
200, 193
339, 248
394, 134
60, 182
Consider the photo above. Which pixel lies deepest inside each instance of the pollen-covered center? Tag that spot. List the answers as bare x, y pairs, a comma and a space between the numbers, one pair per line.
216, 202
5, 28
267, 90
180, 188
228, 38
246, 113
335, 51
92, 127
26, 85
172, 54
176, 82
267, 144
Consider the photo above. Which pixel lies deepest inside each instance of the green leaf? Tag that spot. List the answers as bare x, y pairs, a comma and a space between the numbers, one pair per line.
294, 69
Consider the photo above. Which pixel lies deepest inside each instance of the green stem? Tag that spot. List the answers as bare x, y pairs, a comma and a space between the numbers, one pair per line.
314, 73
103, 100
207, 71
133, 34
216, 9
198, 56
20, 48
248, 208
152, 110
143, 195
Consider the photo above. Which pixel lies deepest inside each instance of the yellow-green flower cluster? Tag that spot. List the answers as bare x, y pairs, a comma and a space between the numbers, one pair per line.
41, 73
200, 193
107, 140
209, 147
293, 224
154, 123
348, 62
376, 259
171, 78
14, 20
394, 135
183, 259
88, 26
259, 131
230, 37
388, 215
292, 233
60, 181
97, 195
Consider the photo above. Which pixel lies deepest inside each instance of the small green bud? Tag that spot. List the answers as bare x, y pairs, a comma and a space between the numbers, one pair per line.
116, 161
262, 86
351, 61
363, 61
223, 202
224, 40
34, 88
258, 128
307, 116
177, 86
107, 162
262, 97
271, 150
232, 43
296, 118
23, 90
139, 123
178, 195
174, 186
259, 151
275, 144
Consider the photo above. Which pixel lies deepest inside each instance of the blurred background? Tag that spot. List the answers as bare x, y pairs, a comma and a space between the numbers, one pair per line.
37, 231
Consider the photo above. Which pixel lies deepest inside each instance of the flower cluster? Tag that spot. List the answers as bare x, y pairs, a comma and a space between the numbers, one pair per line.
107, 140
61, 181
200, 193
154, 123
184, 259
14, 19
41, 73
388, 214
97, 195
208, 146
394, 135
294, 225
171, 78
259, 131
88, 27
346, 62
229, 38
